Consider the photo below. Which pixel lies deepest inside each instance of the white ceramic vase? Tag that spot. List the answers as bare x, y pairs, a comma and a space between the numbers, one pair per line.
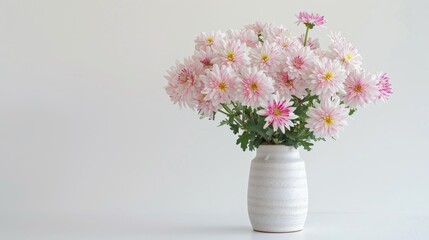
277, 197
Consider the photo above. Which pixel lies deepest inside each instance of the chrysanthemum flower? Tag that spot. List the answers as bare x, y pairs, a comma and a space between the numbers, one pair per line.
255, 87
278, 31
247, 36
360, 89
279, 114
298, 61
183, 82
206, 41
260, 28
266, 56
327, 119
205, 57
345, 53
232, 53
327, 77
384, 87
287, 86
287, 43
220, 85
206, 107
310, 19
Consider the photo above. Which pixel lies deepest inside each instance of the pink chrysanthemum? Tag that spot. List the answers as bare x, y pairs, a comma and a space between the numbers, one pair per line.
384, 87
287, 86
232, 53
255, 87
298, 61
360, 89
345, 53
206, 107
219, 85
310, 19
258, 27
313, 44
287, 43
277, 32
279, 114
183, 82
209, 40
327, 77
327, 119
205, 58
266, 57
247, 36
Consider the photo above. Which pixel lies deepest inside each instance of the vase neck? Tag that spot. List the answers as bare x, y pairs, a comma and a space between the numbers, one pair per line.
278, 152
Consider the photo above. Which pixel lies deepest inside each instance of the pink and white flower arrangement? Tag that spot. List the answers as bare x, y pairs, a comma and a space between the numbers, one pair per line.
275, 87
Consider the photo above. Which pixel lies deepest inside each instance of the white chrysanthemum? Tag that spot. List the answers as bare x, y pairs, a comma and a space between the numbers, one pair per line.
255, 87
298, 61
205, 57
209, 40
287, 43
247, 36
266, 57
345, 53
220, 85
327, 119
205, 107
277, 32
184, 84
327, 77
231, 53
261, 29
287, 86
360, 89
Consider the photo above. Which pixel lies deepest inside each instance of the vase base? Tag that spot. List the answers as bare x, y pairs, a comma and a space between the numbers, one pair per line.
267, 231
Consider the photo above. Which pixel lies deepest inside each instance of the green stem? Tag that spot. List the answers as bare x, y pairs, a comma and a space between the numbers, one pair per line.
223, 112
306, 36
229, 112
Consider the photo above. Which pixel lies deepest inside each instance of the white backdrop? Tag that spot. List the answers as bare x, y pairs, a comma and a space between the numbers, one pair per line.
86, 128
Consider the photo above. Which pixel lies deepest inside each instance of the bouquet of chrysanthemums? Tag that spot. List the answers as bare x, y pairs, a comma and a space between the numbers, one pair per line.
274, 87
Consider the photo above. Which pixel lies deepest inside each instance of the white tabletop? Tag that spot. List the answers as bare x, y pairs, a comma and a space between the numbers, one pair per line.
318, 226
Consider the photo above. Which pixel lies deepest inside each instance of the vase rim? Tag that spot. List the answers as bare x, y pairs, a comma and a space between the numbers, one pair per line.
271, 148
276, 146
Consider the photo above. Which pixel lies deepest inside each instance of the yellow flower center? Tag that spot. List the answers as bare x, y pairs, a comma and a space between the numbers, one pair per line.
210, 40
328, 76
230, 56
289, 83
265, 58
358, 88
348, 57
254, 87
285, 45
222, 86
184, 78
277, 112
328, 120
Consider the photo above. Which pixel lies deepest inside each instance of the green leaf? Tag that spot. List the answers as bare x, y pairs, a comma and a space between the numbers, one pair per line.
270, 132
234, 128
243, 140
290, 135
352, 110
307, 145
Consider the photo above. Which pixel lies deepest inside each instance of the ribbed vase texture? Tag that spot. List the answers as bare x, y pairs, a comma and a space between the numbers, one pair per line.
277, 197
